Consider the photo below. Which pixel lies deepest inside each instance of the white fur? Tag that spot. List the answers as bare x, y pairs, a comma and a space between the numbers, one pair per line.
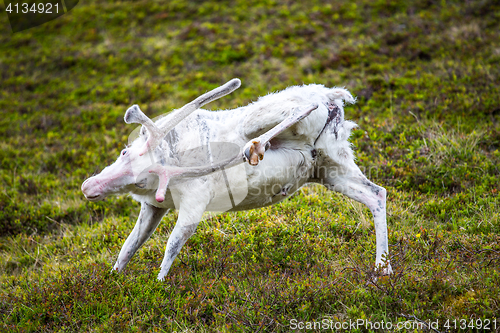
297, 155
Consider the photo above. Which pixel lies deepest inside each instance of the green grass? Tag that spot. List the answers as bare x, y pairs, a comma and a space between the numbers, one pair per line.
427, 78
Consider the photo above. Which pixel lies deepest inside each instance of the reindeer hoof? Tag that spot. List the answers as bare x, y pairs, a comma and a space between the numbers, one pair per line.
384, 270
254, 151
161, 276
387, 270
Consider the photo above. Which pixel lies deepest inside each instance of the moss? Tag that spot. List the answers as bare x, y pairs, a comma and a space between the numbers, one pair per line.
426, 77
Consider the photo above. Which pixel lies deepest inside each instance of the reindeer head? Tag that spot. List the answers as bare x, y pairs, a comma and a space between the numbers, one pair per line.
137, 164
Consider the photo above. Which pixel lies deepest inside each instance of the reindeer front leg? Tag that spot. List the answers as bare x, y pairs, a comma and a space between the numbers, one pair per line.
254, 150
190, 213
149, 218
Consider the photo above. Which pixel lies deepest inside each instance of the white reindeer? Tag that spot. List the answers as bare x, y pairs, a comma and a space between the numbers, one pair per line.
193, 160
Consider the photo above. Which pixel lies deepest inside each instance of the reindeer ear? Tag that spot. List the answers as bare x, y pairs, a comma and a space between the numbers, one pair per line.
143, 130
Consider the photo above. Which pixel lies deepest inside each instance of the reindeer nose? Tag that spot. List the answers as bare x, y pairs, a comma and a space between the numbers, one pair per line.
88, 190
84, 185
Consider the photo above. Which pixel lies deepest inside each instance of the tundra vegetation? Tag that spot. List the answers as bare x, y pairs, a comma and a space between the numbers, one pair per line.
426, 75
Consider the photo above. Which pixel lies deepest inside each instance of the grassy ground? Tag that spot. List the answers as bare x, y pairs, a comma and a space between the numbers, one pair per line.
427, 77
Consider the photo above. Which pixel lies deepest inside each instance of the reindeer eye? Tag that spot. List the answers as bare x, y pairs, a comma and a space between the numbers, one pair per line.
124, 152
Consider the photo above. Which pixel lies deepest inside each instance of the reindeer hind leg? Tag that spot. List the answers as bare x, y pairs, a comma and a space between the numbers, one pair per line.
254, 150
349, 180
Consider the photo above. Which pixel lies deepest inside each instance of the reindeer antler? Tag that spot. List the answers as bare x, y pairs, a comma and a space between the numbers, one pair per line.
156, 134
165, 173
